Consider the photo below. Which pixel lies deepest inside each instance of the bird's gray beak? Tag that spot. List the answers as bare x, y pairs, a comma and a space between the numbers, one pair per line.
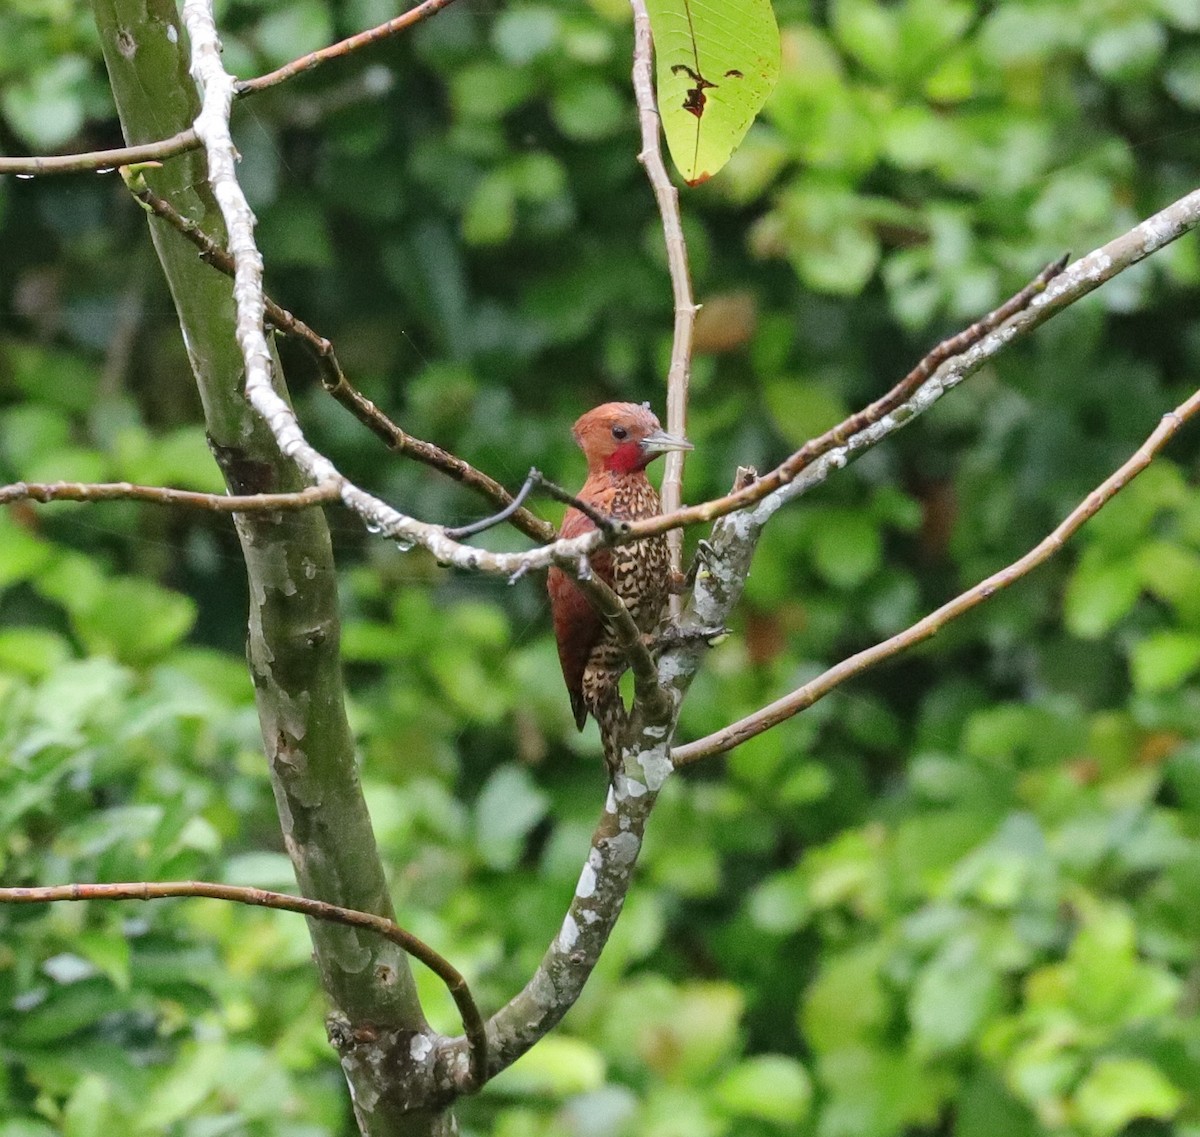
659, 442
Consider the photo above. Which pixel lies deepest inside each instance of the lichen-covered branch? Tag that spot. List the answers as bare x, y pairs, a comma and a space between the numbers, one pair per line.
796, 475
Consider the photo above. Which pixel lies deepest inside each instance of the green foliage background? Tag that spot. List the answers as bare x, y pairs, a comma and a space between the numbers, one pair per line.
959, 897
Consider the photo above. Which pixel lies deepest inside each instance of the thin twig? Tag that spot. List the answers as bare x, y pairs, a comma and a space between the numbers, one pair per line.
464, 531
106, 160
333, 379
102, 161
804, 697
535, 479
472, 1020
609, 526
161, 495
678, 374
342, 48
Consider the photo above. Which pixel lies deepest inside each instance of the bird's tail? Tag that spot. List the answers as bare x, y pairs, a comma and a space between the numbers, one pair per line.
609, 713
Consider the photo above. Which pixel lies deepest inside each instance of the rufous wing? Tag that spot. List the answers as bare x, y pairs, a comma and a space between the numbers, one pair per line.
577, 627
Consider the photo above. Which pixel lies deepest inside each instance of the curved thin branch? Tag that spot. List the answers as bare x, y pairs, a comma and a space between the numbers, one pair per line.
315, 909
536, 480
667, 197
803, 697
161, 495
185, 140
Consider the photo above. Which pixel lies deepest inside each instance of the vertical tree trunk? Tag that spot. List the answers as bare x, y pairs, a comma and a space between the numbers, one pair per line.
293, 646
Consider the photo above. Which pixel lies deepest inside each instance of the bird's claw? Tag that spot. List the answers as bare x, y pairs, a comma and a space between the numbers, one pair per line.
703, 559
672, 636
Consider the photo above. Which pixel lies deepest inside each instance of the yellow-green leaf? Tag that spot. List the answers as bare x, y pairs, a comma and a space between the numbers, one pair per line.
717, 62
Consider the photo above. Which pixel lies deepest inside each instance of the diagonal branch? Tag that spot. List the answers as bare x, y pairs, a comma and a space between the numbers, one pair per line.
803, 697
574, 951
667, 196
334, 380
647, 692
342, 48
315, 909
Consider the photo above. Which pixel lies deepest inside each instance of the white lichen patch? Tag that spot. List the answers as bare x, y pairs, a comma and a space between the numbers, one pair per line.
587, 882
623, 848
629, 787
569, 936
420, 1047
656, 765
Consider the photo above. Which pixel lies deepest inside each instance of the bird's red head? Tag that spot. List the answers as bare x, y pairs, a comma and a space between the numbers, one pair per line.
623, 437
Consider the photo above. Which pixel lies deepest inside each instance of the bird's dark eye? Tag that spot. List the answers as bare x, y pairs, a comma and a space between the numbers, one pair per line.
620, 433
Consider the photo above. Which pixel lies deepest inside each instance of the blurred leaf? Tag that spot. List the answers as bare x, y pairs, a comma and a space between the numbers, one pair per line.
47, 106
294, 30
1163, 660
847, 548
768, 1087
509, 806
586, 109
953, 996
192, 1079
1101, 591
558, 1066
521, 35
1127, 51
1118, 1090
89, 1111
491, 213
134, 619
802, 410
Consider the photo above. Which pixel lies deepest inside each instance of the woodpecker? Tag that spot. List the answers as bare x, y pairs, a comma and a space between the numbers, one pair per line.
619, 441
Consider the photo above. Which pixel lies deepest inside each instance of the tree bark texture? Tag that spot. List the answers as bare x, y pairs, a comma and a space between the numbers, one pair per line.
293, 643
